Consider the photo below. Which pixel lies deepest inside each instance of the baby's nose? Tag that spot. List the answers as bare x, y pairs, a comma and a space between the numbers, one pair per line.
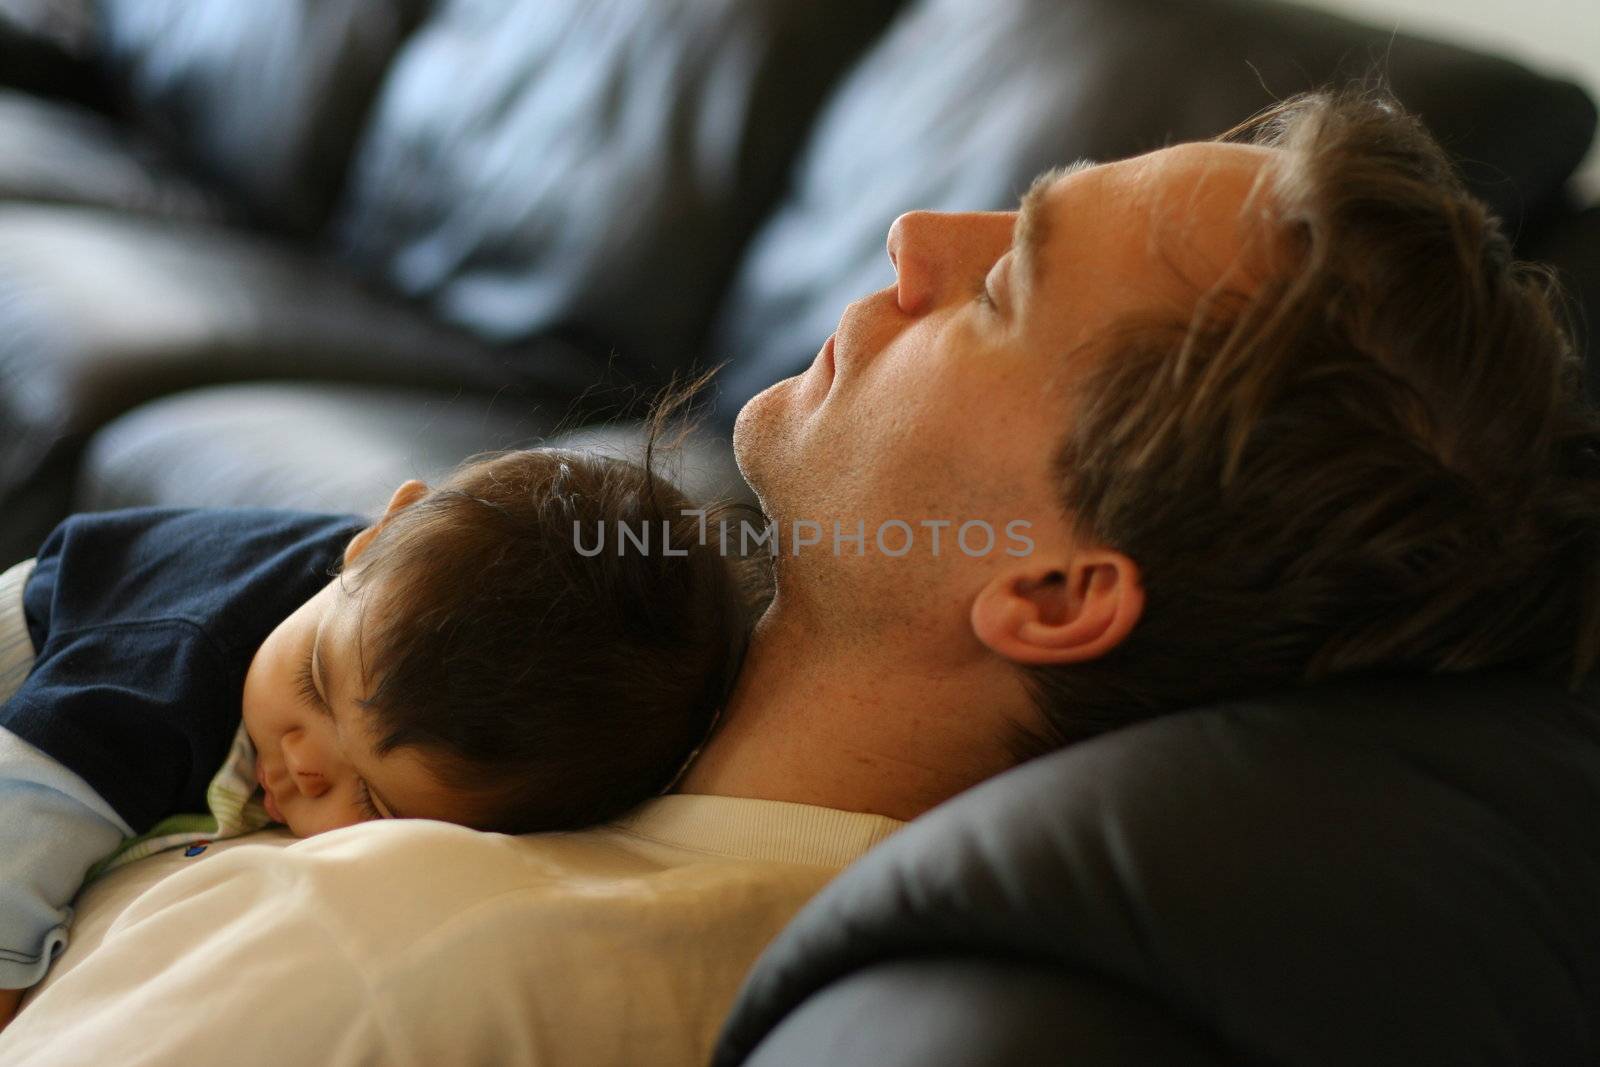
303, 765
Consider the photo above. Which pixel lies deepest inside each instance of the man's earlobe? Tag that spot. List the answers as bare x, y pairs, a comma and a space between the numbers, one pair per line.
1069, 614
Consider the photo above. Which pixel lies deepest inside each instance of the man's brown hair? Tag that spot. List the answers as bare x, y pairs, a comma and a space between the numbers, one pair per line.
1378, 461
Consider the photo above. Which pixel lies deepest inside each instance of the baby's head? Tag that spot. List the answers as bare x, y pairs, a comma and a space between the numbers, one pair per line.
471, 664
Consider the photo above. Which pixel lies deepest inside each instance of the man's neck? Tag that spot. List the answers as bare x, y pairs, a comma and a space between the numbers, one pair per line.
817, 720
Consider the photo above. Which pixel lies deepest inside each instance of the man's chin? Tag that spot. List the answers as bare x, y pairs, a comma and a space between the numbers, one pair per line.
758, 429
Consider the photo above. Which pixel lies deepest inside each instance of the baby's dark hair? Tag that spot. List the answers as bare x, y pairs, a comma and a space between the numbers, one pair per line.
551, 688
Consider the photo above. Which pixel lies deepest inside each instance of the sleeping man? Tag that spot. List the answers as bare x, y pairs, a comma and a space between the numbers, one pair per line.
1262, 412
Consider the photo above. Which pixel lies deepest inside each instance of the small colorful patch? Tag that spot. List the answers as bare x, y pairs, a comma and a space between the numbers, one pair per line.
196, 848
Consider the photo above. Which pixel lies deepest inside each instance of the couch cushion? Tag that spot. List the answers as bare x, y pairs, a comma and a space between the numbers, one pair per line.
42, 48
102, 310
340, 447
304, 445
265, 99
962, 104
961, 1011
59, 152
1401, 870
590, 165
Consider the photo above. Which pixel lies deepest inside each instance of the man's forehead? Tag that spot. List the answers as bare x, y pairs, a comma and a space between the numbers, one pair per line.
1186, 191
1153, 175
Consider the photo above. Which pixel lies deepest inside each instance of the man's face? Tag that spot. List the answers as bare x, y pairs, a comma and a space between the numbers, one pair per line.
944, 395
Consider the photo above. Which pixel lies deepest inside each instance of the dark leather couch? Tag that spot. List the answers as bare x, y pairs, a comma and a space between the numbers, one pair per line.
293, 253
1382, 871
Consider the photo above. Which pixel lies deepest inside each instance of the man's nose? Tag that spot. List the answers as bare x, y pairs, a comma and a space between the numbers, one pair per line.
933, 252
911, 250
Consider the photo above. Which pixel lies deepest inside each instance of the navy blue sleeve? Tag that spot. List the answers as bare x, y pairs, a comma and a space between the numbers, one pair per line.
144, 624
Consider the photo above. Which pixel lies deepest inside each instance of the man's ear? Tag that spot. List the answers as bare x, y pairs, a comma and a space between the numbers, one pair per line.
408, 494
1071, 613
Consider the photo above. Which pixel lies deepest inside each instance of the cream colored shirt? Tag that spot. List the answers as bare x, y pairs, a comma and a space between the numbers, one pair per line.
411, 942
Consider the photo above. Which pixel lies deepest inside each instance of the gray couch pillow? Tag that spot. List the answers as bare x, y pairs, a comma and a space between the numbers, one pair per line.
1389, 869
265, 99
590, 166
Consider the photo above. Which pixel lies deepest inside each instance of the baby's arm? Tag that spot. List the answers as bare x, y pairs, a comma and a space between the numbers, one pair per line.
53, 828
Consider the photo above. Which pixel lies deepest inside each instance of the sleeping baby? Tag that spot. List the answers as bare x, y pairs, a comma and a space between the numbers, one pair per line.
470, 657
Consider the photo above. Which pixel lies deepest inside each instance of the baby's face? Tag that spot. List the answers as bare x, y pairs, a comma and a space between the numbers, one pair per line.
314, 741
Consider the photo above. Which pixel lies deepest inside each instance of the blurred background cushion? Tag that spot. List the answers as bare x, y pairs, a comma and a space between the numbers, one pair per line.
44, 45
61, 152
102, 310
266, 99
312, 445
961, 105
65, 24
590, 166
334, 447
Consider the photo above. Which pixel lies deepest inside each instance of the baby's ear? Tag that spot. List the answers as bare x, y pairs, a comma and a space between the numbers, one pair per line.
403, 497
408, 493
358, 543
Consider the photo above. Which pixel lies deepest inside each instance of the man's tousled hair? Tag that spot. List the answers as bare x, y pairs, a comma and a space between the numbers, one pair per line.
1380, 460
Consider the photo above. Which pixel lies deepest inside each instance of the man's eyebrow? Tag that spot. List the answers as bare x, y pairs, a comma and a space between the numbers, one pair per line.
1033, 225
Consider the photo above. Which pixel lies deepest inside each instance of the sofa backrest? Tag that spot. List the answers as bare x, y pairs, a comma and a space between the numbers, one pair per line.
264, 99
1401, 870
591, 167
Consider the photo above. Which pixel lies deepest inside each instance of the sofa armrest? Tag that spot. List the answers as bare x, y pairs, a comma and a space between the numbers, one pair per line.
960, 1012
1389, 869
